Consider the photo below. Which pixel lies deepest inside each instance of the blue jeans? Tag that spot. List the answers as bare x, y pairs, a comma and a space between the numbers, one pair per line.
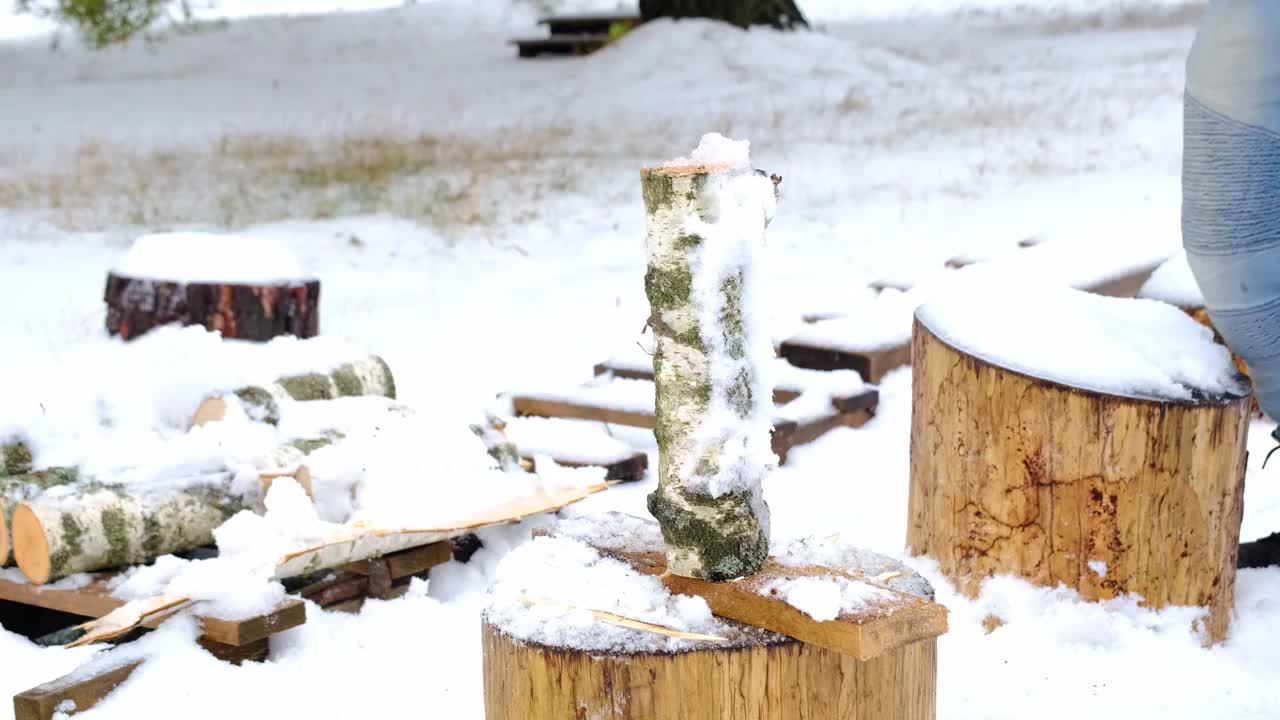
1231, 181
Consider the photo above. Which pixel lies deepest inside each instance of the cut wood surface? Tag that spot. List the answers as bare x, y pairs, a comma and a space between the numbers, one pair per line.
789, 680
16, 488
1104, 494
244, 312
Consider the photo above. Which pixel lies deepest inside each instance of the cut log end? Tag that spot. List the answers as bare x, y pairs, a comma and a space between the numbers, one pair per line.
5, 546
31, 546
210, 410
685, 168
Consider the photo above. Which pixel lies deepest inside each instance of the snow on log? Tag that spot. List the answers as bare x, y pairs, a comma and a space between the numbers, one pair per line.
705, 218
17, 488
85, 528
244, 288
1076, 439
370, 376
15, 458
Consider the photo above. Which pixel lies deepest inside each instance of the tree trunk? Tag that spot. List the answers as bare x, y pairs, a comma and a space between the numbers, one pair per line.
709, 501
15, 458
1107, 495
16, 489
245, 312
371, 376
781, 14
755, 680
107, 527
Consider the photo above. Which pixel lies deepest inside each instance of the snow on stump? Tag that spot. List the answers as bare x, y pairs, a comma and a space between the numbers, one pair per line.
1070, 438
584, 622
244, 288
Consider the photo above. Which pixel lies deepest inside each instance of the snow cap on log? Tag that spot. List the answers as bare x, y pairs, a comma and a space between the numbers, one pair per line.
705, 222
1133, 348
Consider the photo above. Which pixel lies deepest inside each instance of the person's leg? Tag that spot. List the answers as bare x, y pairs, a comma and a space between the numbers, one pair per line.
1231, 193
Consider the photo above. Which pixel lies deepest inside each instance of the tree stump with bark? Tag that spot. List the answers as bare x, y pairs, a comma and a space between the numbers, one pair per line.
1108, 493
242, 312
244, 288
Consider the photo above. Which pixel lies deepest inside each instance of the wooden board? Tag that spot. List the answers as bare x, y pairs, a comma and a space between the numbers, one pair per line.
629, 469
85, 688
537, 407
872, 365
863, 635
560, 45
589, 24
787, 435
865, 399
408, 562
289, 614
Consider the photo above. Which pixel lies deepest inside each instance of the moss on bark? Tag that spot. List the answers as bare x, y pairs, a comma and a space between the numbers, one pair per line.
16, 457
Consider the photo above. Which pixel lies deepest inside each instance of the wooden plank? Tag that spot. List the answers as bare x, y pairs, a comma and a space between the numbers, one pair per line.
289, 614
256, 651
865, 399
335, 590
570, 24
870, 632
627, 470
526, 406
85, 688
92, 600
560, 45
872, 365
408, 562
787, 435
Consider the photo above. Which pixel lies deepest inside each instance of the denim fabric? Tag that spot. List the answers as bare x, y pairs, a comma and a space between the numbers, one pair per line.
1231, 182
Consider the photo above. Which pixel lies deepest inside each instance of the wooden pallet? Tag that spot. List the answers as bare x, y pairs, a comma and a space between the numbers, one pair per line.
342, 589
234, 641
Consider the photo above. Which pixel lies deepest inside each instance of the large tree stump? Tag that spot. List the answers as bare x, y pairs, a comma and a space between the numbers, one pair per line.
765, 659
1104, 493
771, 679
245, 288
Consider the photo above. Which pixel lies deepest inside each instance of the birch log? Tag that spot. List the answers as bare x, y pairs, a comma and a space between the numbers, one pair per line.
98, 527
15, 458
17, 488
370, 376
708, 501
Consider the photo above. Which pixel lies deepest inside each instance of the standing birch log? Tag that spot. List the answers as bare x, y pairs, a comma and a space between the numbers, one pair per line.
370, 376
705, 218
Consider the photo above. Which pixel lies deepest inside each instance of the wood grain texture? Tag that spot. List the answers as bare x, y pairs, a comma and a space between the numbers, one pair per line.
1011, 474
83, 689
245, 312
407, 562
289, 614
785, 681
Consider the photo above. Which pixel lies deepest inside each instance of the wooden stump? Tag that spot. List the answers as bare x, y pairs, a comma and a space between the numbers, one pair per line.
764, 680
245, 312
1107, 495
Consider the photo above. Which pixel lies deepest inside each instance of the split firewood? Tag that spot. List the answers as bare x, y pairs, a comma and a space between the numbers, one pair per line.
370, 376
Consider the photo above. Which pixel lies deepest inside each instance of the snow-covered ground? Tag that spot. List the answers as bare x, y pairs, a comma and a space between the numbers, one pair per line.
477, 220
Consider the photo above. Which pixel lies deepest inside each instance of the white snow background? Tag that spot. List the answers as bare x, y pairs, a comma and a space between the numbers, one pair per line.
503, 247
